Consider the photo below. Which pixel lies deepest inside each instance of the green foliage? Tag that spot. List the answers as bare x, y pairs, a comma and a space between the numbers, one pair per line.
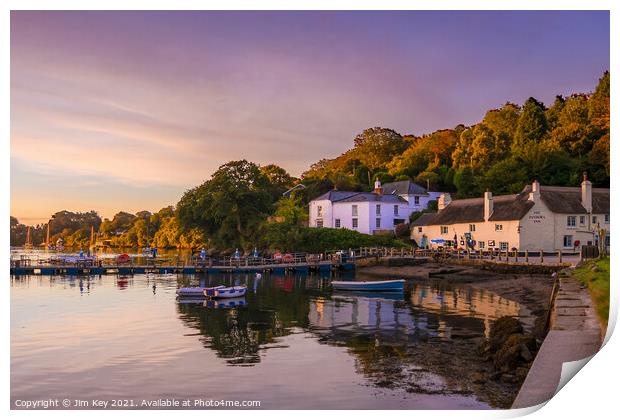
291, 210
285, 237
531, 127
596, 276
229, 207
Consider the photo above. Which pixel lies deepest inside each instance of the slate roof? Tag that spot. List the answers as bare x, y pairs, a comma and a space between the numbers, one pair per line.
404, 187
367, 196
335, 195
355, 196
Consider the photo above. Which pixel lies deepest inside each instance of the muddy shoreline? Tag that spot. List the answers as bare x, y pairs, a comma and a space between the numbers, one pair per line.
460, 359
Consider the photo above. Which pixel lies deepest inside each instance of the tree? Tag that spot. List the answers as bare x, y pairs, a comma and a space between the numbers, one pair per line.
279, 180
532, 125
599, 104
375, 147
229, 207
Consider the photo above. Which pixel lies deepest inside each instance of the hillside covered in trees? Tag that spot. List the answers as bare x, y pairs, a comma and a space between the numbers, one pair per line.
241, 205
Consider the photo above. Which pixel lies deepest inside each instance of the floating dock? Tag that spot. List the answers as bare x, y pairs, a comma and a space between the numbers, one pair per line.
125, 269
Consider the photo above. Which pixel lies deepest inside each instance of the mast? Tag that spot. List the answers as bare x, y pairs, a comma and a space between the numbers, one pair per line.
47, 237
28, 243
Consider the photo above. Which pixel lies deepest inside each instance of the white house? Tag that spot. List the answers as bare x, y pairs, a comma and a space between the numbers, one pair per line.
539, 217
369, 212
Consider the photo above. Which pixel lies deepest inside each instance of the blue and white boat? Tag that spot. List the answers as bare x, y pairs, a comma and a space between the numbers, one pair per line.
195, 291
374, 286
226, 292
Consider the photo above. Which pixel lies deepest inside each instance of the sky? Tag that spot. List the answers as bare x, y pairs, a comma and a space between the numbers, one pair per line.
126, 110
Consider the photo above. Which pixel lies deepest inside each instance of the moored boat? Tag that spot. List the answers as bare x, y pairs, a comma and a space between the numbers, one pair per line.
226, 292
374, 286
195, 291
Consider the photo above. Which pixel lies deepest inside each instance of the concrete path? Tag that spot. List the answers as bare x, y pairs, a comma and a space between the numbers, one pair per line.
575, 334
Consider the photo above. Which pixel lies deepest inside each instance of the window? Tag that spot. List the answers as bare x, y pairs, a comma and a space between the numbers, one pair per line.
395, 210
499, 228
472, 228
378, 223
444, 230
481, 244
606, 218
582, 220
420, 229
354, 210
319, 211
416, 200
337, 223
568, 241
378, 207
571, 221
398, 221
503, 246
594, 220
319, 222
354, 223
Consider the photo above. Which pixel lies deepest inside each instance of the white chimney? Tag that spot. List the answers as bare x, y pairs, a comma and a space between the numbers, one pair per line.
535, 194
378, 188
443, 201
586, 193
488, 205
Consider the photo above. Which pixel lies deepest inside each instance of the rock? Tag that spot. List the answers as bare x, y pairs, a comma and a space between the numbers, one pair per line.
595, 269
525, 353
508, 378
521, 373
479, 377
512, 352
501, 329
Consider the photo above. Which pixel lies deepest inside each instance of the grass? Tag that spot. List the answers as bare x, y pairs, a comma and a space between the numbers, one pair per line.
597, 281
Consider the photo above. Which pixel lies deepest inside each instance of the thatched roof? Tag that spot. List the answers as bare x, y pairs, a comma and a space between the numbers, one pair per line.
567, 200
561, 200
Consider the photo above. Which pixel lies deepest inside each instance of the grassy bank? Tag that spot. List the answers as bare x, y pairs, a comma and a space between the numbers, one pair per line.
595, 275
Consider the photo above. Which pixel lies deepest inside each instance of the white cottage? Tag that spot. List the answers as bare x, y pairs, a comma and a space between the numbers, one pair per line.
539, 217
370, 212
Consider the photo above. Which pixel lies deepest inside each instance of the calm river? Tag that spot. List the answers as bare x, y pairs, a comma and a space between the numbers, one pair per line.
291, 343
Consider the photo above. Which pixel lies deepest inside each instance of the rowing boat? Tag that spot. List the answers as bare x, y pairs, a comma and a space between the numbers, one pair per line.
226, 292
195, 291
375, 286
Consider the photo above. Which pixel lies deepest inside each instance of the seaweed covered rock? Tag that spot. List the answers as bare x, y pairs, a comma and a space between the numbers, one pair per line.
510, 349
514, 351
501, 329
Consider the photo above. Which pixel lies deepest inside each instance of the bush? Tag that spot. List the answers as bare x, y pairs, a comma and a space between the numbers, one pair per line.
287, 237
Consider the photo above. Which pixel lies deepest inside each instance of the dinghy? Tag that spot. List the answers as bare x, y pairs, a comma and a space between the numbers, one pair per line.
226, 292
195, 291
370, 286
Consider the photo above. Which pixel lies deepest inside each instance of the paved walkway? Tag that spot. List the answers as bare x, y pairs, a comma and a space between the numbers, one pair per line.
574, 335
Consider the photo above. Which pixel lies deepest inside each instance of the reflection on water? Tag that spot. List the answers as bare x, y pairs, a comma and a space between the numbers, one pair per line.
290, 342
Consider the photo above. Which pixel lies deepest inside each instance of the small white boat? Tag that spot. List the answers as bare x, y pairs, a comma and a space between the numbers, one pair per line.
370, 286
226, 292
195, 291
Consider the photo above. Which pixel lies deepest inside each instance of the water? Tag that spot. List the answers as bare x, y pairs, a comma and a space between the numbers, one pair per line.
291, 343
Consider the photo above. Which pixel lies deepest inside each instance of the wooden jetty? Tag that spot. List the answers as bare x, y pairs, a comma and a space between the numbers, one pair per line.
94, 266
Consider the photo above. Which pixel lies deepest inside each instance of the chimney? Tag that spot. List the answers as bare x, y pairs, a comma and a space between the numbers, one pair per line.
586, 193
378, 189
535, 194
488, 205
443, 201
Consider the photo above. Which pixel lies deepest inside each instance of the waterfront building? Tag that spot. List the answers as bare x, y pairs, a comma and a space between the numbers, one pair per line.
539, 217
373, 212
